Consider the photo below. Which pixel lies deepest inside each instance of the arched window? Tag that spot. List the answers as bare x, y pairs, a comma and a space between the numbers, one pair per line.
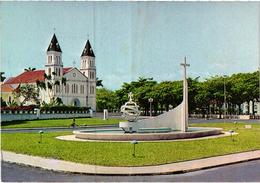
49, 71
67, 88
49, 59
57, 88
81, 89
76, 88
92, 90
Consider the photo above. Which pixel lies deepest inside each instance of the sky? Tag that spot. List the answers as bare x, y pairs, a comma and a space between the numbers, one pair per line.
134, 39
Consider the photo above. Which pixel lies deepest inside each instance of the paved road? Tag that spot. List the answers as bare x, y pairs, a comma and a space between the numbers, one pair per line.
242, 172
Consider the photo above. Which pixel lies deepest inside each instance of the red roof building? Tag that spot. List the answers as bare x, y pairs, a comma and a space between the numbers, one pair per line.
31, 76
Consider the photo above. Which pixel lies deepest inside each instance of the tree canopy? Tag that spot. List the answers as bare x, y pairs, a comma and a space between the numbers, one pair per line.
204, 96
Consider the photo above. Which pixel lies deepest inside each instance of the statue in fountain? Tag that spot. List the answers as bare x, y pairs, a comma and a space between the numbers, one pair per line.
129, 112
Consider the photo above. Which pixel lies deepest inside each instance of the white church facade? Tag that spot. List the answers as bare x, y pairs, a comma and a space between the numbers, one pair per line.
80, 87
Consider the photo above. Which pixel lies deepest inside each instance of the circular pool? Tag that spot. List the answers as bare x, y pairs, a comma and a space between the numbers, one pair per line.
152, 134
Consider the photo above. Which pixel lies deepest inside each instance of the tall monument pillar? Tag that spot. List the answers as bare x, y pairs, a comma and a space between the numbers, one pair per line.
184, 119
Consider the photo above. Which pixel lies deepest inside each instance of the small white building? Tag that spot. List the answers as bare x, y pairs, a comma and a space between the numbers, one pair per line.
80, 88
256, 108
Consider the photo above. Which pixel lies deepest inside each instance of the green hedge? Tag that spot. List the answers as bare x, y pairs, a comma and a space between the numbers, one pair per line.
64, 108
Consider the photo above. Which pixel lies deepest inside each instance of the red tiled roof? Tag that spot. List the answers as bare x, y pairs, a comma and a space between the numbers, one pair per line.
27, 77
8, 87
66, 70
31, 76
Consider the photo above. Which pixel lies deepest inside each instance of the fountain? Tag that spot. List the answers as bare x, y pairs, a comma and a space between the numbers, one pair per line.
168, 126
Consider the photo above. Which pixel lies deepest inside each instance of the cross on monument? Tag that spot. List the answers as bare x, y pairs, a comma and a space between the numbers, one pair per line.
185, 65
130, 95
185, 98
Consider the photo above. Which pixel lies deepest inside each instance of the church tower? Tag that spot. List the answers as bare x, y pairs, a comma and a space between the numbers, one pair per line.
54, 59
88, 68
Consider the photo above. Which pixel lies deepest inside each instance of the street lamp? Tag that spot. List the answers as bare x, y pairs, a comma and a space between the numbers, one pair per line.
150, 100
40, 132
224, 116
231, 132
258, 109
134, 142
235, 123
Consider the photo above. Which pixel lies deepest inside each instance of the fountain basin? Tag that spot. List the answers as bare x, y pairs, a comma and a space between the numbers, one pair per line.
120, 135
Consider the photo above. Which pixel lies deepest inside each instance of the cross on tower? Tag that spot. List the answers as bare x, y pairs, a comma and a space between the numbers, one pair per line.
54, 29
185, 65
74, 63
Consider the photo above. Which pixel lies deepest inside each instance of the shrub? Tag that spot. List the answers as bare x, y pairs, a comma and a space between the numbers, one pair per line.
19, 108
64, 108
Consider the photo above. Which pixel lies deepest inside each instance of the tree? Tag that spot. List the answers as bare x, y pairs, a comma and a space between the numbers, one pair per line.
2, 77
49, 85
203, 98
141, 90
27, 92
168, 93
29, 69
105, 99
99, 82
3, 103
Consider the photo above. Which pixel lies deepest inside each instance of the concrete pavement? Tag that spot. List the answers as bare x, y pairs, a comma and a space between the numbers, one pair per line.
248, 171
60, 165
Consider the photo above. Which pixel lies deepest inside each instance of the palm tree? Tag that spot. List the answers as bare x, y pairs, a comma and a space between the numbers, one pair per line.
99, 82
50, 84
29, 69
2, 77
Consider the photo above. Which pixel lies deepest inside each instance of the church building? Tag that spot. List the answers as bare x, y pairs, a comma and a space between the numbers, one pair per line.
80, 87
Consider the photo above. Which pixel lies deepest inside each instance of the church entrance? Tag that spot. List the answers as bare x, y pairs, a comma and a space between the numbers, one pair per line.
75, 102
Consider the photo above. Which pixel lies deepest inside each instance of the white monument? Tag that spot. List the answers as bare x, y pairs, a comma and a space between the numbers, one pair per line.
185, 98
105, 114
130, 109
176, 119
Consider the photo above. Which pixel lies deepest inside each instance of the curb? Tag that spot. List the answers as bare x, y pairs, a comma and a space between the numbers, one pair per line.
175, 168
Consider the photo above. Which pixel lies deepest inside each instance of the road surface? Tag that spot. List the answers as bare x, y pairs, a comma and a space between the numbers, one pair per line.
242, 172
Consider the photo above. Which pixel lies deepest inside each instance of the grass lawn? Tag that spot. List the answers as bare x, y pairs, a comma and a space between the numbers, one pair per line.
120, 154
58, 123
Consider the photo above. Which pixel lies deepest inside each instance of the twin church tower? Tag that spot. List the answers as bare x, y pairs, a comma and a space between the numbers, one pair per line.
80, 89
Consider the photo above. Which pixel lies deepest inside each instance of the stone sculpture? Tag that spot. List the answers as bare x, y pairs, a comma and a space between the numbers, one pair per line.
176, 119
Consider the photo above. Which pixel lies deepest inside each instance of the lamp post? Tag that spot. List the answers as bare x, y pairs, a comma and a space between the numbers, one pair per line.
150, 100
40, 132
224, 115
258, 107
231, 132
134, 142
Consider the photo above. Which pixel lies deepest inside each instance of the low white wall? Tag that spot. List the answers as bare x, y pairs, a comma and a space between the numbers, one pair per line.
16, 117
